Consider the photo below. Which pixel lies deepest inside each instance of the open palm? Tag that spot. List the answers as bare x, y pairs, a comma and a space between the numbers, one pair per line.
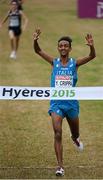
37, 33
89, 40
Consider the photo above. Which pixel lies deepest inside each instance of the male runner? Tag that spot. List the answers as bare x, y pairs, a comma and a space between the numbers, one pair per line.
64, 69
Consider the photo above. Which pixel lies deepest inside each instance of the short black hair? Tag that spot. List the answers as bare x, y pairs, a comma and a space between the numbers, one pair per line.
66, 38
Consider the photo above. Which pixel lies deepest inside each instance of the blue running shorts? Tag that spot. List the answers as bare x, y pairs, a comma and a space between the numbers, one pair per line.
64, 111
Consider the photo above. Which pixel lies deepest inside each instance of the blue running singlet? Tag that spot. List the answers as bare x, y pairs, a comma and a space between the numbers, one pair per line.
64, 77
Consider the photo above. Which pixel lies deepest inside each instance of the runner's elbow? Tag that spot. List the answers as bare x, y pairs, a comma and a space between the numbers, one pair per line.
37, 51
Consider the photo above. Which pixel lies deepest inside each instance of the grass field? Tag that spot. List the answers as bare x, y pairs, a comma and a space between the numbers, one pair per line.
26, 135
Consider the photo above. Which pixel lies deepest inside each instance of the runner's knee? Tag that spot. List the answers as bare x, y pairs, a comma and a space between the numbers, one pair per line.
58, 135
11, 34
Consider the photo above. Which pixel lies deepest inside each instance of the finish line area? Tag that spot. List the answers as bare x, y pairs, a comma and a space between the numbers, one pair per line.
47, 93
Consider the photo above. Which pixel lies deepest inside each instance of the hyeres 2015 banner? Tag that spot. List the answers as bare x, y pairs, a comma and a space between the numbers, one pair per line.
47, 93
90, 8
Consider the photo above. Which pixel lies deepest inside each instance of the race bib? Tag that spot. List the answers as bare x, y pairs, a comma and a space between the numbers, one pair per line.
14, 22
63, 81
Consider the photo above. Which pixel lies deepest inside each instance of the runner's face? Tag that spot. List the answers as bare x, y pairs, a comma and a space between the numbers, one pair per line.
14, 5
64, 48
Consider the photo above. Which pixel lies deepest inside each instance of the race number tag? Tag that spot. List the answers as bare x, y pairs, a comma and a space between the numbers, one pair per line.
63, 81
14, 22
